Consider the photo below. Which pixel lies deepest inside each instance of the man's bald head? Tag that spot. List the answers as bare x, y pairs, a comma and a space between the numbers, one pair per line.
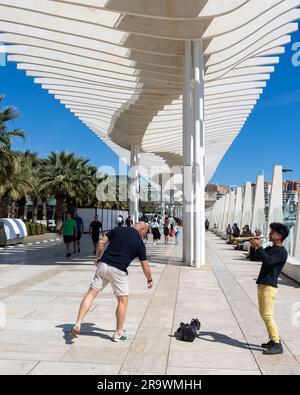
142, 227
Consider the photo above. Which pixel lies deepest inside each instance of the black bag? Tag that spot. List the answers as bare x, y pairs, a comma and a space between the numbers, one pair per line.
188, 332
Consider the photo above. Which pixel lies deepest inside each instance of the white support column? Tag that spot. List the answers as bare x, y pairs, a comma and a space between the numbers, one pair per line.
247, 206
259, 218
162, 199
225, 212
238, 207
296, 252
134, 184
213, 217
199, 216
221, 213
188, 146
276, 200
232, 200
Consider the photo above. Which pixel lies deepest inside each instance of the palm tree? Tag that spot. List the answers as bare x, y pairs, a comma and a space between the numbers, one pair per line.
15, 186
7, 157
30, 163
68, 178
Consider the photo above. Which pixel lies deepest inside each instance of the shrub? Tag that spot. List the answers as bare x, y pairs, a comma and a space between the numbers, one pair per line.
32, 229
27, 224
38, 229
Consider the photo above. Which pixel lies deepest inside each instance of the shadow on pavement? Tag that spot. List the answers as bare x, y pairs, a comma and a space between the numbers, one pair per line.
87, 329
221, 338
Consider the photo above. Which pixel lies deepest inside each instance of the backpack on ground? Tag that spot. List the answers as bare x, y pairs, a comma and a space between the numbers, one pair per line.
188, 332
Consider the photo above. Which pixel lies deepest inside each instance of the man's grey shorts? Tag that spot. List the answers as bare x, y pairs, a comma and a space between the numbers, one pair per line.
106, 274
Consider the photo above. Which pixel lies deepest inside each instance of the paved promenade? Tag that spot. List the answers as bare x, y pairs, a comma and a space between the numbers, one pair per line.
41, 291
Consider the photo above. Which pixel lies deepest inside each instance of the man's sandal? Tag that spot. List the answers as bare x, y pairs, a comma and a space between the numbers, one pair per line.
75, 331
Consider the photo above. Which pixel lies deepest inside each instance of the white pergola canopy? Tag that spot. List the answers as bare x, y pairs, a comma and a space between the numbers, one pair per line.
118, 64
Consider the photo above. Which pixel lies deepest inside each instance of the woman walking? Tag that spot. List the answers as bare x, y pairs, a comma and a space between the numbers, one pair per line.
166, 230
155, 231
176, 232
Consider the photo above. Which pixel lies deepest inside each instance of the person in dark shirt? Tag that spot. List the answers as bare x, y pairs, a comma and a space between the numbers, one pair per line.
94, 231
234, 233
236, 230
207, 224
273, 260
245, 233
118, 248
79, 223
128, 222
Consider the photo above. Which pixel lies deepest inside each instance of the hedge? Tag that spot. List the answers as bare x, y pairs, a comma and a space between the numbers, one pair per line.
34, 229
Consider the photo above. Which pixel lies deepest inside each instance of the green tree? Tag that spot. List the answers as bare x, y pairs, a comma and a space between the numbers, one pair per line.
7, 157
10, 170
69, 179
30, 163
15, 186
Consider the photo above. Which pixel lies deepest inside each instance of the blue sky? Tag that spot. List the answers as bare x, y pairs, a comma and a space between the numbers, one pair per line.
271, 135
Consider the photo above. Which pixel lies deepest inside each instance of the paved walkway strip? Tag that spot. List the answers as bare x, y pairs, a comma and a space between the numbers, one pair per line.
41, 292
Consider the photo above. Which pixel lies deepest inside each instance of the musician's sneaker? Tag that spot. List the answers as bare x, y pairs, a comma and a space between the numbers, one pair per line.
274, 349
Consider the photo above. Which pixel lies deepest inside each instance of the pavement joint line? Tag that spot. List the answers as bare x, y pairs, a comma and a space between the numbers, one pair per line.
229, 304
215, 252
140, 324
38, 362
173, 320
146, 311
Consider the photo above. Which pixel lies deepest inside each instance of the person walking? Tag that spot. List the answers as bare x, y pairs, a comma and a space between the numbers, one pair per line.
207, 225
155, 231
120, 221
128, 222
144, 218
94, 231
79, 226
69, 232
166, 230
177, 233
121, 245
273, 260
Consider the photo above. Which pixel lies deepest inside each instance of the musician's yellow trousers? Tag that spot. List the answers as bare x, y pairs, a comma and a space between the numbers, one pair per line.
266, 300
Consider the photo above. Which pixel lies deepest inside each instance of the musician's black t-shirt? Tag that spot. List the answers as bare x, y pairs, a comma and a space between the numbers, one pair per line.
273, 260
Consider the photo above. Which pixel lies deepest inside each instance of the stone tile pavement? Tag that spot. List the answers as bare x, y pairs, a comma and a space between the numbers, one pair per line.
41, 290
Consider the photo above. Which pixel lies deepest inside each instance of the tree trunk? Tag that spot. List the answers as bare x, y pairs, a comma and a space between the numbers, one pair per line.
34, 209
21, 205
3, 207
44, 211
59, 211
25, 211
71, 204
13, 210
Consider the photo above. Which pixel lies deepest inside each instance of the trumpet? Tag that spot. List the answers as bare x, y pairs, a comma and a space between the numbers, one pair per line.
248, 238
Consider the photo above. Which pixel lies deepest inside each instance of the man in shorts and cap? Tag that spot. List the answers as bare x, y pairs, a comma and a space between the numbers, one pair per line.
121, 245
